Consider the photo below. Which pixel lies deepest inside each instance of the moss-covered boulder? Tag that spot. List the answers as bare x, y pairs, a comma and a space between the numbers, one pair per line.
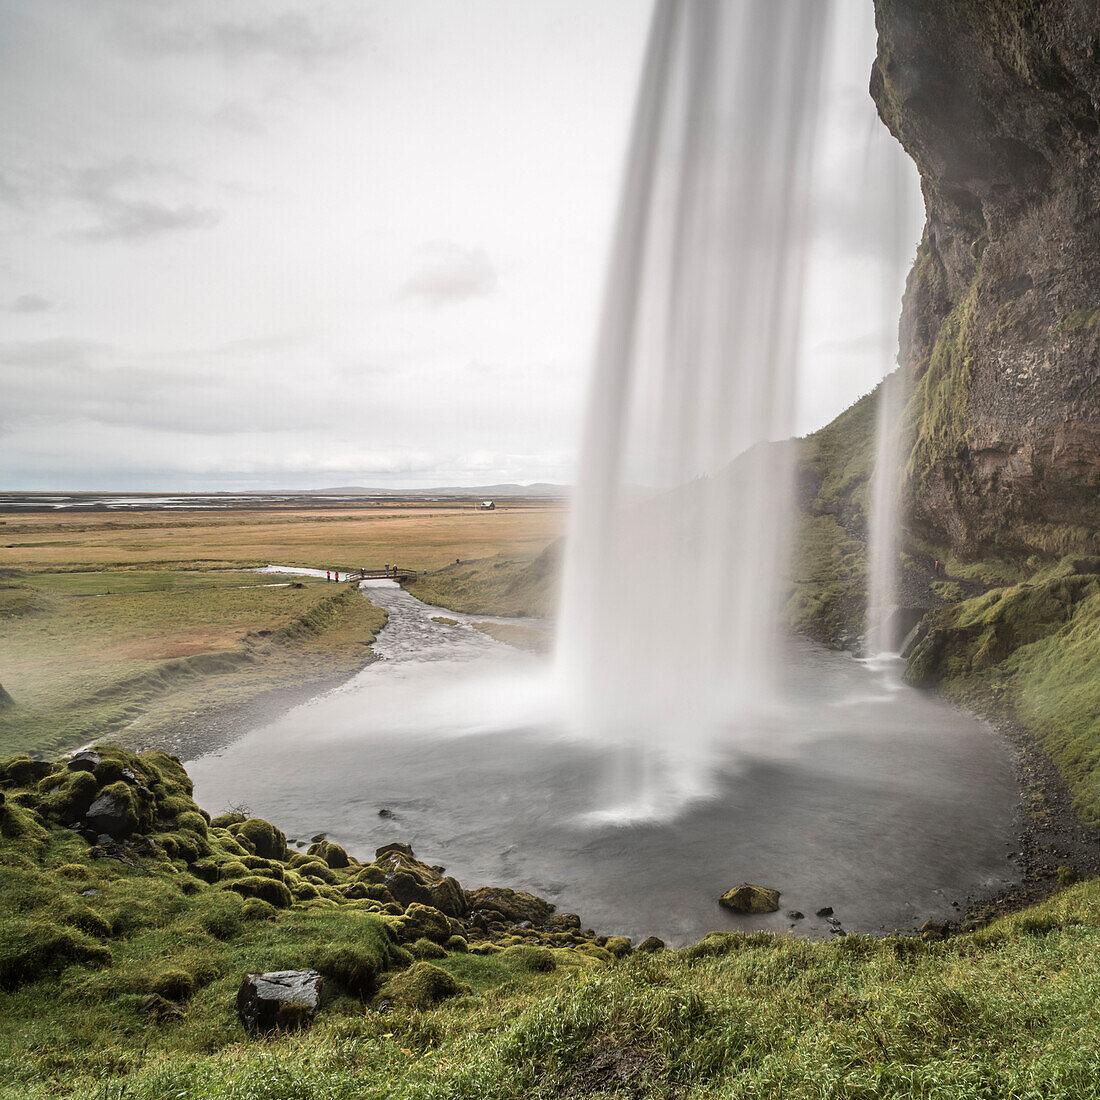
353, 967
425, 921
330, 853
512, 905
266, 889
527, 957
421, 986
265, 839
750, 898
22, 771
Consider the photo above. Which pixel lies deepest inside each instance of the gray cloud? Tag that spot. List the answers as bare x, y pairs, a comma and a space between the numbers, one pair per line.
120, 217
31, 303
304, 38
122, 220
451, 274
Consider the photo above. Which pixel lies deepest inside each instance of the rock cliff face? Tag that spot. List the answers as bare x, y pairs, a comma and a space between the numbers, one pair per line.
998, 103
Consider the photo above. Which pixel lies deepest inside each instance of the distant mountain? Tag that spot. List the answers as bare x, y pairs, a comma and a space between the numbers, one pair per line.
538, 489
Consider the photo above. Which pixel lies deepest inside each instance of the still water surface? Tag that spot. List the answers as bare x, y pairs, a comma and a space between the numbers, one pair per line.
861, 794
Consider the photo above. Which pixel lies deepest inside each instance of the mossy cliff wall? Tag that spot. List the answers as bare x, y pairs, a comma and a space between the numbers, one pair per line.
998, 103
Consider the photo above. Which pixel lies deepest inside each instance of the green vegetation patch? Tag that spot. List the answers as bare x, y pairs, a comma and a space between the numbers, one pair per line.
495, 586
92, 653
1029, 652
938, 411
119, 970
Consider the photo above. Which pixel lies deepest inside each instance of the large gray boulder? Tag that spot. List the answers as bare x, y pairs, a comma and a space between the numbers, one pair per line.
281, 1000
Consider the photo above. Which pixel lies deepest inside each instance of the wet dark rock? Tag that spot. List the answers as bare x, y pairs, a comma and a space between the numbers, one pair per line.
513, 905
278, 1000
395, 847
913, 639
795, 914
750, 898
84, 761
564, 922
825, 911
112, 816
385, 813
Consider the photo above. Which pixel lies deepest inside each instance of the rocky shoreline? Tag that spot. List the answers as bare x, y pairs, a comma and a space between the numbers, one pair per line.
1050, 844
1052, 847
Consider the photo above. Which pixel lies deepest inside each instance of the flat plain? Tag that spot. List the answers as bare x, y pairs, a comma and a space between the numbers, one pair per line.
125, 625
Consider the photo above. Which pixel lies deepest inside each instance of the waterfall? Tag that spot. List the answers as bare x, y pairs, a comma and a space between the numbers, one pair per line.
889, 174
681, 490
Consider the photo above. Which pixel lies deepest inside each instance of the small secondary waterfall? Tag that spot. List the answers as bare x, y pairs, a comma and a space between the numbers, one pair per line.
889, 174
680, 489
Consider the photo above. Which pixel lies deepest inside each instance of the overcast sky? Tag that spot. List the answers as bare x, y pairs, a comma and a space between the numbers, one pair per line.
263, 244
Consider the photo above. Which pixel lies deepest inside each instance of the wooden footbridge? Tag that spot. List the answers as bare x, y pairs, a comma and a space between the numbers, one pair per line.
386, 573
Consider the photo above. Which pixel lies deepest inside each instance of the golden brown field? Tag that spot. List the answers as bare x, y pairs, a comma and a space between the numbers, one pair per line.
427, 536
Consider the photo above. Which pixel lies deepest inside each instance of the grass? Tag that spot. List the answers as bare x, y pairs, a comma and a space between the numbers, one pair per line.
1011, 1010
504, 585
87, 654
1029, 652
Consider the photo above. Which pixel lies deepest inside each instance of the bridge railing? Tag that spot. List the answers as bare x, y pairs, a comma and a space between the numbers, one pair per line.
393, 573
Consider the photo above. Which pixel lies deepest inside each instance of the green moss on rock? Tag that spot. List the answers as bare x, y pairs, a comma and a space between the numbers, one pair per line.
255, 886
266, 840
750, 898
421, 986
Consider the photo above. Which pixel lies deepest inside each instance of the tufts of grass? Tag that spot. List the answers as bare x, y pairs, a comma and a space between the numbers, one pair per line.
495, 586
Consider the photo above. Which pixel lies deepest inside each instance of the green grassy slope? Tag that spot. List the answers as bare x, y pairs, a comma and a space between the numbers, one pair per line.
420, 1005
85, 655
1030, 652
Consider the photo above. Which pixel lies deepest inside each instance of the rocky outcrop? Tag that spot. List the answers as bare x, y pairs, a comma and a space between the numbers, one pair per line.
998, 103
281, 1000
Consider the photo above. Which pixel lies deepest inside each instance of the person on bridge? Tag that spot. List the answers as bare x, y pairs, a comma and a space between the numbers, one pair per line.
328, 574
